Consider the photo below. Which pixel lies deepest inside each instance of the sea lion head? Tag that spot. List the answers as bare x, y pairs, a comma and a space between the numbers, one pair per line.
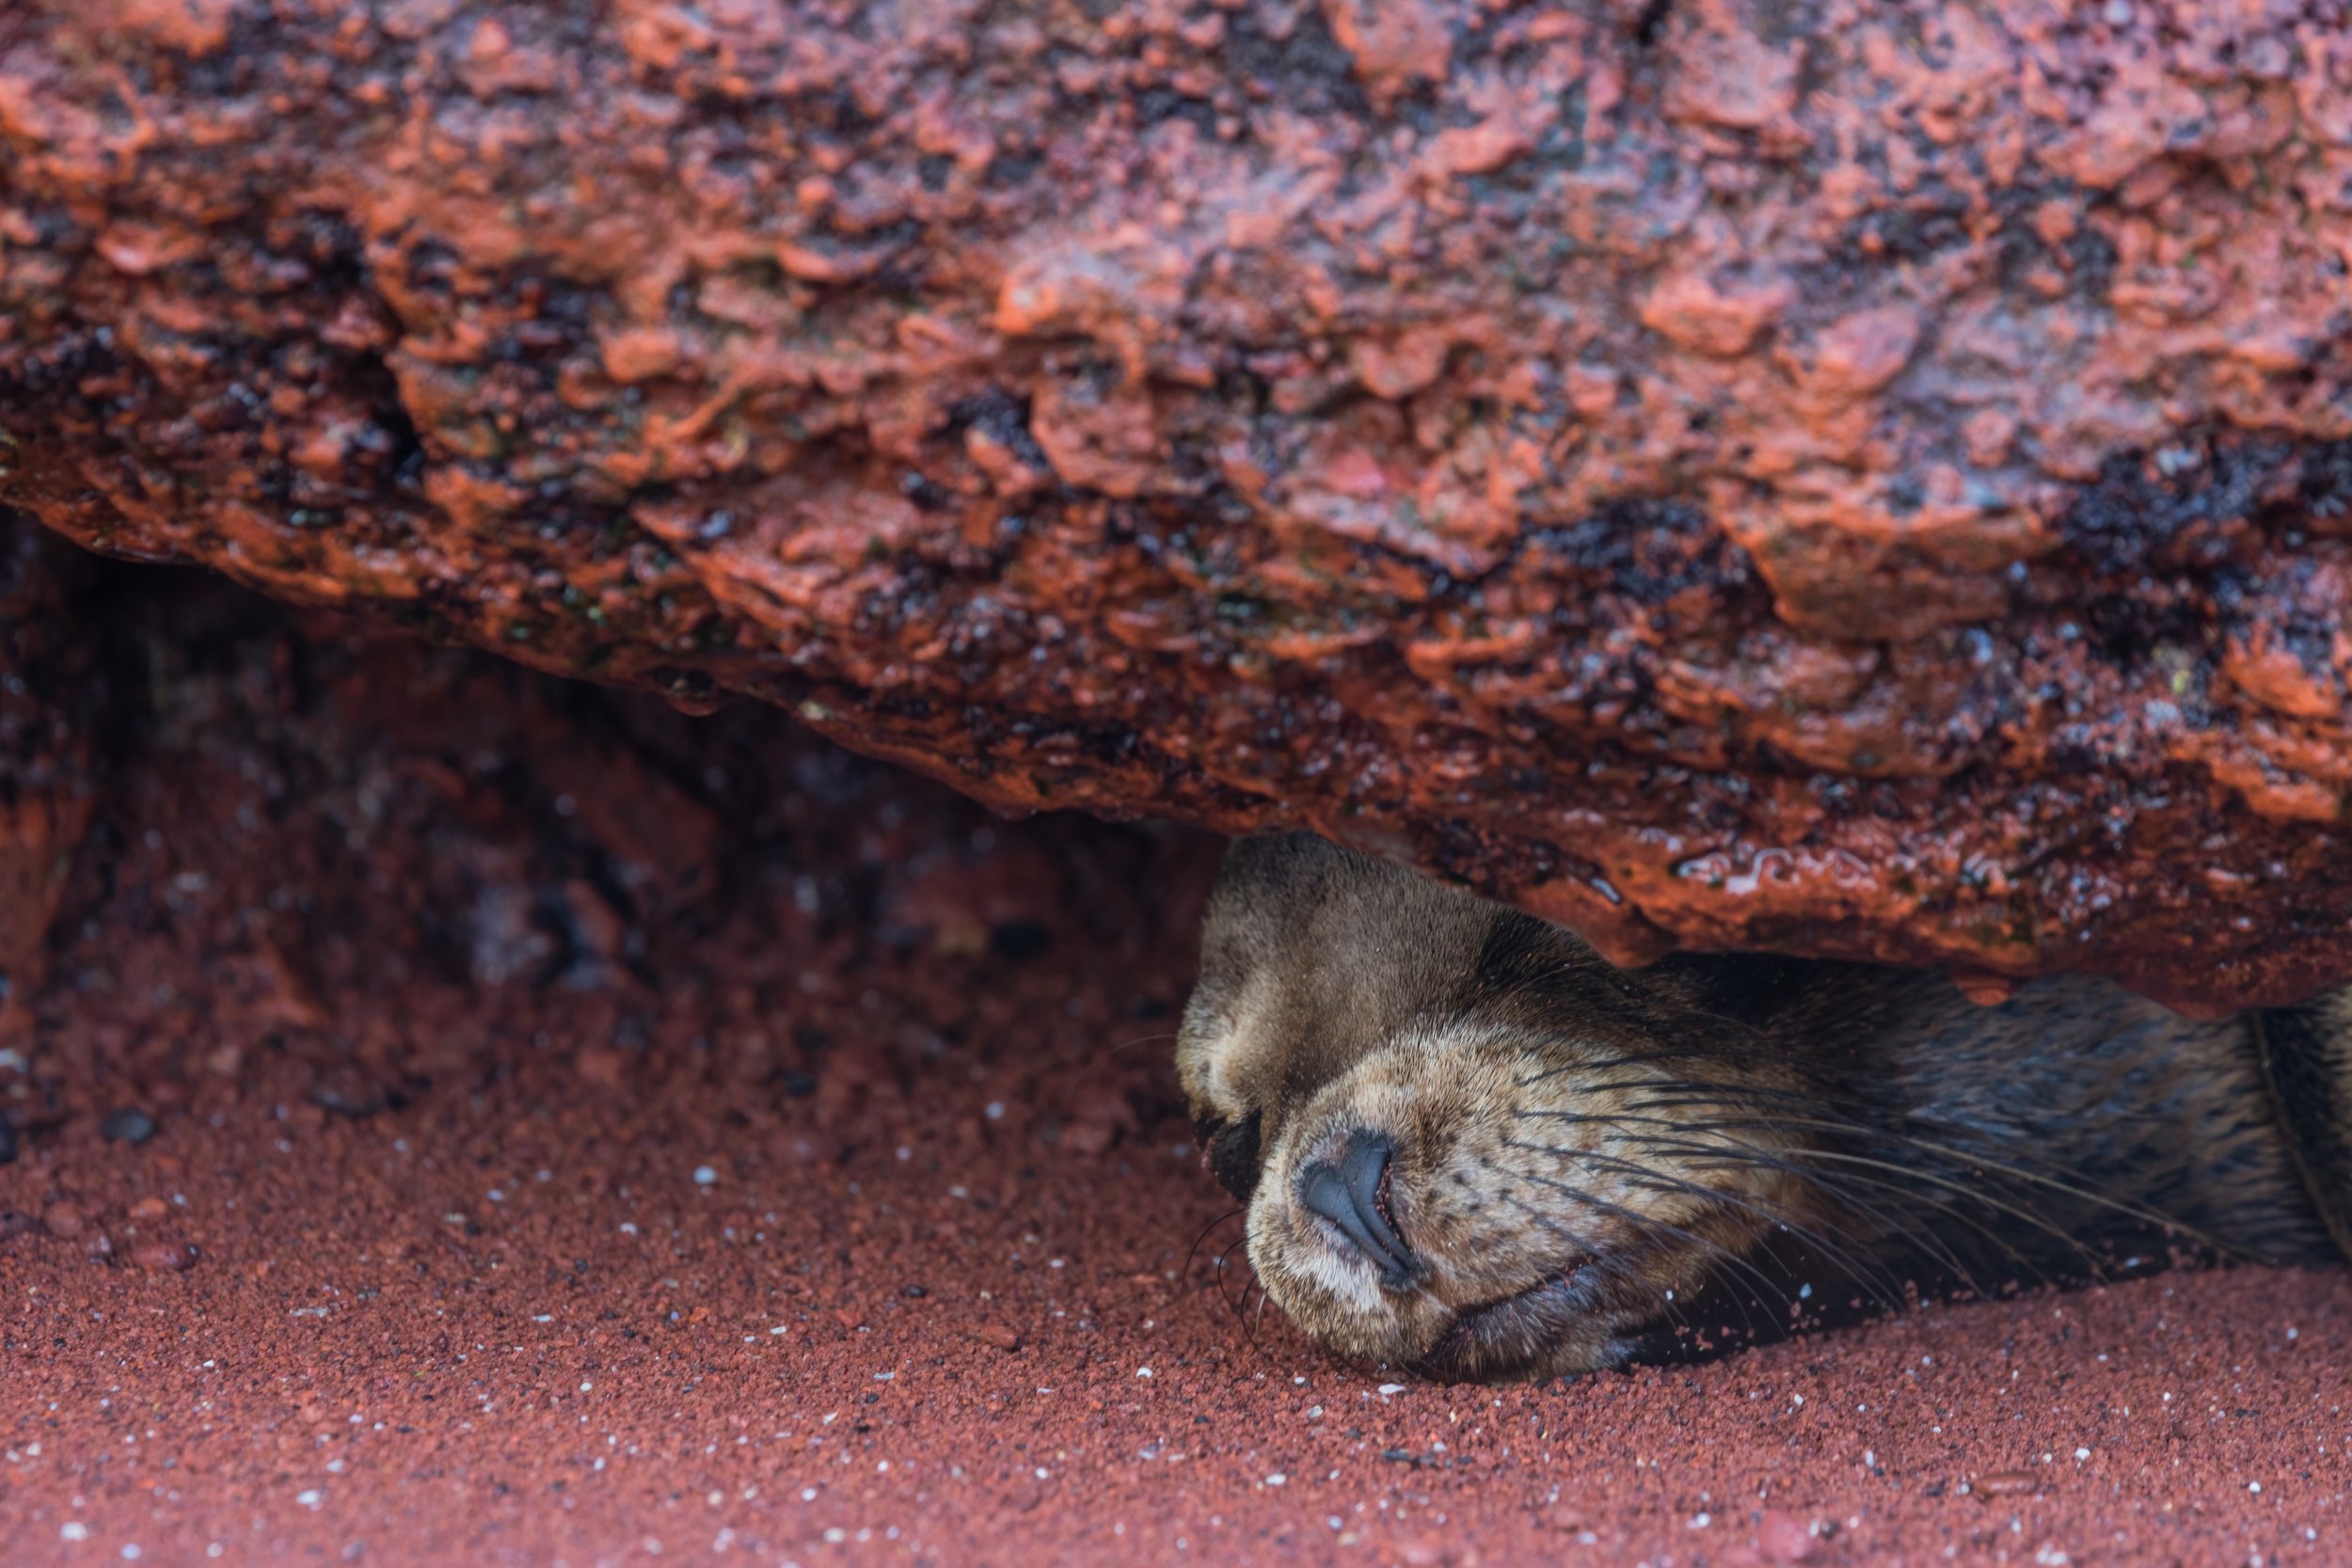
1468, 1147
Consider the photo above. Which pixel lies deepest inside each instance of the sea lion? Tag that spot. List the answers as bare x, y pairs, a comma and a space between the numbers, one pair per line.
1468, 1147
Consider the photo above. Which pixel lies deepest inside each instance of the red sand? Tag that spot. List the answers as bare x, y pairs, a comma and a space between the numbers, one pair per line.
551, 1172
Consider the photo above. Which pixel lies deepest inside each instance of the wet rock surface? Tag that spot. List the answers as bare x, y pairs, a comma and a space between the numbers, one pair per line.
1857, 479
827, 1199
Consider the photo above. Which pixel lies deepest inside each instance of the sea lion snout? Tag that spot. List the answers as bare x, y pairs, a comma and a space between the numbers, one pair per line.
1349, 1193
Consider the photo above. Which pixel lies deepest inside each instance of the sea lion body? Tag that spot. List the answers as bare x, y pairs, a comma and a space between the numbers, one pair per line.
1469, 1147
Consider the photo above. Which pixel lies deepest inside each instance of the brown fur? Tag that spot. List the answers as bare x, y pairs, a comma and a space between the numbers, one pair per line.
1588, 1160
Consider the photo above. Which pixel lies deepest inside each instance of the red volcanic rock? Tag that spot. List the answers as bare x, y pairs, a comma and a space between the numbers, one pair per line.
163, 1257
1855, 479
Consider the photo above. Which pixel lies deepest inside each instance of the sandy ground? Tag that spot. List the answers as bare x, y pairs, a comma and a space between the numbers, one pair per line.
474, 1120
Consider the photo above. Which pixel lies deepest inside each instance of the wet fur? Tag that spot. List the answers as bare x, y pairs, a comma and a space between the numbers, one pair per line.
1595, 1164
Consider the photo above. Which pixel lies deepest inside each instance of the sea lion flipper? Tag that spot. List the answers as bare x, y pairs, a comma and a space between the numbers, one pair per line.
2307, 1060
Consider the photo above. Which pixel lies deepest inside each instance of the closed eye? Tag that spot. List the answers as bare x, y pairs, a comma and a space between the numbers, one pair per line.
1230, 1149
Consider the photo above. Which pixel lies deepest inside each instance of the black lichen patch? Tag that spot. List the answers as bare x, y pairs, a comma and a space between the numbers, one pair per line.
2185, 504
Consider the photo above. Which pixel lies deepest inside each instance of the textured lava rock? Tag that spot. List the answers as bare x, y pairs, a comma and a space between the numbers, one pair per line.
1860, 478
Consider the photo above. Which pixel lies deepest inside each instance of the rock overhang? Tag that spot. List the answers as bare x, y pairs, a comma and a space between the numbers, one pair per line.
1866, 480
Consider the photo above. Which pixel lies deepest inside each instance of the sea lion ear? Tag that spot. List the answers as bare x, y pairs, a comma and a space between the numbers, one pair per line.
1748, 987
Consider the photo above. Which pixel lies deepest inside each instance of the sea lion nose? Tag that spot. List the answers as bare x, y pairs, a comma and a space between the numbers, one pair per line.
1351, 1192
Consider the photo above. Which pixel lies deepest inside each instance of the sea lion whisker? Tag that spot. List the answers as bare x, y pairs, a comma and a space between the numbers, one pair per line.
1668, 1185
1692, 1050
1978, 1193
2018, 1165
2066, 1239
1730, 1152
1607, 1264
1883, 1287
1662, 1181
1139, 1039
1218, 1278
1968, 1160
1692, 1091
1582, 1246
1932, 1246
1761, 1098
1651, 1224
1206, 1231
1926, 1244
1773, 1121
1739, 1153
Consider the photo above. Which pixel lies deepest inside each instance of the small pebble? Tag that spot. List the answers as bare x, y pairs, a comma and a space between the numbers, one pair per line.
128, 1125
606, 1069
350, 1094
1003, 1336
63, 1219
1783, 1536
2007, 1483
163, 1257
147, 1210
